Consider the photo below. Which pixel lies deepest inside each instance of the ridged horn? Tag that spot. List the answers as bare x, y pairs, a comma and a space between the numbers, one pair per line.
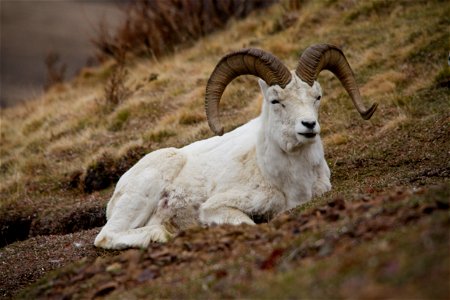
328, 57
248, 61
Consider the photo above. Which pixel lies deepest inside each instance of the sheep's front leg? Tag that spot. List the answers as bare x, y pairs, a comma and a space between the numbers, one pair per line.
226, 208
322, 183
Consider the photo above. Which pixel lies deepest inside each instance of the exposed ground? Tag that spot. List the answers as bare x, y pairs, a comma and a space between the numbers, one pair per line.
381, 233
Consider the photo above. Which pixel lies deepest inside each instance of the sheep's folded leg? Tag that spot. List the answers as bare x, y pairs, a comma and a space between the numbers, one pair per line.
131, 224
224, 209
132, 238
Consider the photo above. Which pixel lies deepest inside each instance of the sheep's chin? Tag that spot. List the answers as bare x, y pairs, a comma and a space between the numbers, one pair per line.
295, 147
299, 143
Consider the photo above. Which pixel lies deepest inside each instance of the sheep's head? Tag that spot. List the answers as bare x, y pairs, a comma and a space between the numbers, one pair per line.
291, 100
291, 113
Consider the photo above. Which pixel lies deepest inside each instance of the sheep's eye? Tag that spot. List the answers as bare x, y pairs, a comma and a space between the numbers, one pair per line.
274, 101
318, 98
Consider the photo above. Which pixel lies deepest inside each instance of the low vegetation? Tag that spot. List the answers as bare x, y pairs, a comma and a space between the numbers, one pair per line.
154, 28
382, 230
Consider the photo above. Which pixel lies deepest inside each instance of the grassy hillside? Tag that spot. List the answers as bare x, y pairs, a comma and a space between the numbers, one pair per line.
382, 229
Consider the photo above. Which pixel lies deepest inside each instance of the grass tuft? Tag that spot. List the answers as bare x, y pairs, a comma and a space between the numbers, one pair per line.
120, 119
115, 89
191, 118
160, 135
442, 79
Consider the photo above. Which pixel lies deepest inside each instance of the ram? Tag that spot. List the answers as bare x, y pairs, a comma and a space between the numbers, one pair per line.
266, 166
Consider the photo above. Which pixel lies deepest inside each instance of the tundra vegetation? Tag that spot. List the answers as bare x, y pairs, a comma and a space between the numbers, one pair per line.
381, 232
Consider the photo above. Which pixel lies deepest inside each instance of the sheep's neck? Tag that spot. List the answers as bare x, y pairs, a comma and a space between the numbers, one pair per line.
290, 173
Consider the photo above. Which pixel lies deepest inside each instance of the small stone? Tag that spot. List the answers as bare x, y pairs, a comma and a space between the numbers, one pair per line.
114, 268
319, 243
147, 274
78, 244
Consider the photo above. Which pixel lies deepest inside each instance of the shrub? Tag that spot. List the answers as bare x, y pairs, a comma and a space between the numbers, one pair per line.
55, 70
154, 27
115, 89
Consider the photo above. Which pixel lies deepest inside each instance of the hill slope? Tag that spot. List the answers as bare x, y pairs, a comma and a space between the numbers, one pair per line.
61, 154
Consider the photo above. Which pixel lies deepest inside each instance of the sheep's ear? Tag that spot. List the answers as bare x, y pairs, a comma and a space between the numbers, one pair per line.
263, 85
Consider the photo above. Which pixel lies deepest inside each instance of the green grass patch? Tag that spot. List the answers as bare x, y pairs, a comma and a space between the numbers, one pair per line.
159, 136
119, 120
33, 126
442, 79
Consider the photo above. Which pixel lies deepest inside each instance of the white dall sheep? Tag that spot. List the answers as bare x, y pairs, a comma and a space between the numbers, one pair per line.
271, 164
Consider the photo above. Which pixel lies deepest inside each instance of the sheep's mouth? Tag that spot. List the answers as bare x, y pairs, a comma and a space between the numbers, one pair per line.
308, 135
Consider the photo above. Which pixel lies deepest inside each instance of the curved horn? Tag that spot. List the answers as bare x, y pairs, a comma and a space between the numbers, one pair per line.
328, 57
249, 61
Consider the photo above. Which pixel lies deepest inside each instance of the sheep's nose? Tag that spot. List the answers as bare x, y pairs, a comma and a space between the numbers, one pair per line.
309, 124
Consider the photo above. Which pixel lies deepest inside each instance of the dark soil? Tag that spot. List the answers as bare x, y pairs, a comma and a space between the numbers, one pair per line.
23, 262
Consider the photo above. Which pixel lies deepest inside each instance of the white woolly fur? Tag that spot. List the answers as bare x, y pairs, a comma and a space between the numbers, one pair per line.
271, 164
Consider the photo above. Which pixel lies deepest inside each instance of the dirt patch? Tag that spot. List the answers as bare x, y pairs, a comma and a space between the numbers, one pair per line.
22, 263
